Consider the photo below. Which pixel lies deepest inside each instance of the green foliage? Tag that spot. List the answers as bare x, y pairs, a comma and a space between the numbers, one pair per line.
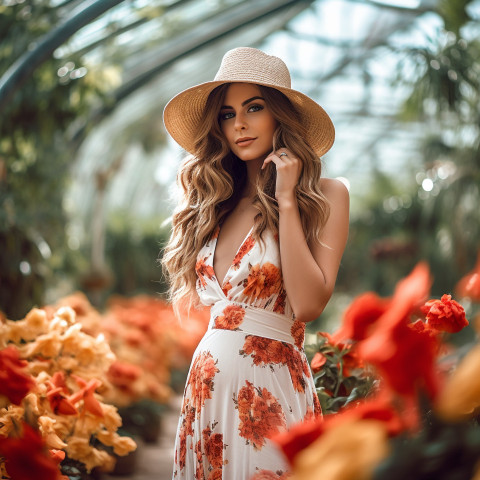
34, 154
340, 381
444, 451
132, 246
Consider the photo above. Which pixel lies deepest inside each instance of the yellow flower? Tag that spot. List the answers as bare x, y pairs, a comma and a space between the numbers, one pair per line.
80, 449
350, 451
123, 445
461, 394
47, 427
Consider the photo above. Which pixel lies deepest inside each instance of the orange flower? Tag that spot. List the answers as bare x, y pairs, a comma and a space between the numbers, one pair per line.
14, 382
213, 446
122, 374
244, 249
87, 393
445, 315
231, 319
201, 379
349, 452
469, 285
262, 281
204, 270
27, 457
260, 414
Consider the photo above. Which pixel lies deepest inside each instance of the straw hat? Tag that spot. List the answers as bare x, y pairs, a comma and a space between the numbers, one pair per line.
183, 113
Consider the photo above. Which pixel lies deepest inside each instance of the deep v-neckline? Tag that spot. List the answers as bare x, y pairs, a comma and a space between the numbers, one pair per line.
221, 284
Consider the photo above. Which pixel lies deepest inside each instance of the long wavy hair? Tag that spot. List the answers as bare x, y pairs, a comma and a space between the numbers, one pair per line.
212, 181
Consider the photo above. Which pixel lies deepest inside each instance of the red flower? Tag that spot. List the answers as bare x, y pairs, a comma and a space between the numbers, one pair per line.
364, 311
301, 435
445, 315
318, 361
469, 285
404, 356
27, 457
14, 382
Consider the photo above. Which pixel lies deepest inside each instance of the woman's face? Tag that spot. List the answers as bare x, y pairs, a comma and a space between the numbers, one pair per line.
246, 122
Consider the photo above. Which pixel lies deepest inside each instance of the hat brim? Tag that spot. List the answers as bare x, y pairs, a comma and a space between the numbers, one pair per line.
183, 113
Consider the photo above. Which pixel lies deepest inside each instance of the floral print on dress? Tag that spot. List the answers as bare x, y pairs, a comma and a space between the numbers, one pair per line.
201, 379
268, 352
249, 378
244, 249
262, 282
203, 270
270, 475
261, 415
298, 333
231, 319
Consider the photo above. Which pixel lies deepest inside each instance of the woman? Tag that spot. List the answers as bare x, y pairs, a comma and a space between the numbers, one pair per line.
259, 237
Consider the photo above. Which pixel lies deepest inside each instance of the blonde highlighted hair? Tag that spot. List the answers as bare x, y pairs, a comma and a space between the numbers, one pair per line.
212, 181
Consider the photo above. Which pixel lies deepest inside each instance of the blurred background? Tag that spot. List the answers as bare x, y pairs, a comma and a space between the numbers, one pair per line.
87, 171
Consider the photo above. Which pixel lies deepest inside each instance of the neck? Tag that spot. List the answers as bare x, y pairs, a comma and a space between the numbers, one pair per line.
253, 169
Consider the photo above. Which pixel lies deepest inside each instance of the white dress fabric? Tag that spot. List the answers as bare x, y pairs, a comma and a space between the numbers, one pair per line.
249, 378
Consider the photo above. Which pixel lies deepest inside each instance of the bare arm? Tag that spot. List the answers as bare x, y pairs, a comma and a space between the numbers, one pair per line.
309, 271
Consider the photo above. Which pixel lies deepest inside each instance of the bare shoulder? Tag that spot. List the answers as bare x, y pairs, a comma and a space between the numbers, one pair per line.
335, 191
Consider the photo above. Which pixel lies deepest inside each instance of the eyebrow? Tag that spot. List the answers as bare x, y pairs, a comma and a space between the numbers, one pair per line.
224, 107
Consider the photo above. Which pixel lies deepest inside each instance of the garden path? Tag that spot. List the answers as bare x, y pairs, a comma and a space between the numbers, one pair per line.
155, 461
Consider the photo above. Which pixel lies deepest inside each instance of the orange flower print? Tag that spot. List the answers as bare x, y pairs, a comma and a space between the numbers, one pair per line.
215, 474
298, 333
261, 415
266, 351
201, 379
231, 319
269, 475
180, 460
199, 472
244, 249
279, 306
226, 288
203, 270
213, 447
262, 282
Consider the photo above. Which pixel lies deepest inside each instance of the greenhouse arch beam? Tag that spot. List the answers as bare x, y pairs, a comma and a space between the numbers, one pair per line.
14, 77
203, 35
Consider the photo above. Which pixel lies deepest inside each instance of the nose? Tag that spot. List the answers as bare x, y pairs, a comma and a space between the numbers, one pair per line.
240, 122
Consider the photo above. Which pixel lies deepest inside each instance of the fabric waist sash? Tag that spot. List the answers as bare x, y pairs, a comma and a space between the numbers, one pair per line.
228, 315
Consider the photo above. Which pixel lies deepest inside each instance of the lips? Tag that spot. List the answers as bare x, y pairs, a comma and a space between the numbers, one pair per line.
244, 141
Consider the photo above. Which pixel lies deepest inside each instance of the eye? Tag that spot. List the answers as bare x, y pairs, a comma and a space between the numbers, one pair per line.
226, 116
255, 108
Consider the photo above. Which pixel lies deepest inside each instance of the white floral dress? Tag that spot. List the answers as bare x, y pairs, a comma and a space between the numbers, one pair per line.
249, 378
